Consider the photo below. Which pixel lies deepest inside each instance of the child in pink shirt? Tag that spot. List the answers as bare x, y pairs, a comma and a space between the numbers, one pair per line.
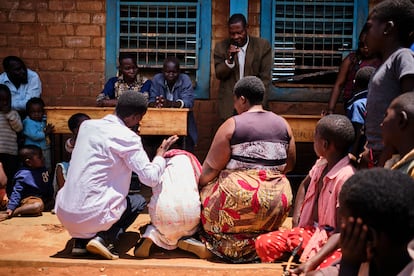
314, 234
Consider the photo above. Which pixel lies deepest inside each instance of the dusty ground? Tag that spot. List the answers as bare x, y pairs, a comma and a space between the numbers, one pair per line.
41, 246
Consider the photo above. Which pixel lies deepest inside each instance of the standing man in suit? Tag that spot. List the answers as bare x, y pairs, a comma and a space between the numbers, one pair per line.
238, 56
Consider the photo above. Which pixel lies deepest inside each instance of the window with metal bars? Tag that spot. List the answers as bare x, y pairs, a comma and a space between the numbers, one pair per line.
153, 30
311, 38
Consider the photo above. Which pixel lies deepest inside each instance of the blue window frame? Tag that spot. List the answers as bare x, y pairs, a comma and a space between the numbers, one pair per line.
310, 39
154, 30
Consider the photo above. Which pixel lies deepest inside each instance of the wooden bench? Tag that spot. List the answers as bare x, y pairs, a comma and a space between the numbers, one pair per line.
157, 121
303, 126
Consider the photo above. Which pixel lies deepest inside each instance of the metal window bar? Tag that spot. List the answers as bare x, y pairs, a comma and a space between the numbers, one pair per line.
311, 36
155, 30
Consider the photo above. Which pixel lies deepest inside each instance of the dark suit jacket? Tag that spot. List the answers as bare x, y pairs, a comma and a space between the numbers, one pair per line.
258, 63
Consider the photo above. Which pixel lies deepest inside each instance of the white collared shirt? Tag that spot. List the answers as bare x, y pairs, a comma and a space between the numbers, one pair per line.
242, 58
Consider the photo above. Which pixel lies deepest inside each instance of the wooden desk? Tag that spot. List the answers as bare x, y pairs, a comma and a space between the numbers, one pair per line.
303, 126
157, 121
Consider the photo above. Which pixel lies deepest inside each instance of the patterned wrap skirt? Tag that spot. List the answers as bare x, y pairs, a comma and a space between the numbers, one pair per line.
238, 206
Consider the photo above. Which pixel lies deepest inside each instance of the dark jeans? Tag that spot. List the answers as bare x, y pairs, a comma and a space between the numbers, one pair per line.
135, 204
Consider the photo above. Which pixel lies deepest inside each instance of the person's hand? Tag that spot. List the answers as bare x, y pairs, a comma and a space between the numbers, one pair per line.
49, 129
354, 241
159, 101
327, 112
302, 268
232, 52
166, 144
5, 214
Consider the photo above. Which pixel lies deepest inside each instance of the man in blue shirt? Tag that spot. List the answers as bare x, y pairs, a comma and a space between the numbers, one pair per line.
23, 83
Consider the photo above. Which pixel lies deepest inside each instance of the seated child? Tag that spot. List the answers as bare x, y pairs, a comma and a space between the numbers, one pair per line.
61, 169
315, 235
171, 88
35, 129
378, 223
128, 80
32, 191
398, 132
10, 126
356, 107
175, 207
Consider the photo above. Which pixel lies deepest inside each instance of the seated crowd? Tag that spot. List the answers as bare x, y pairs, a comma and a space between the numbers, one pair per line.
348, 218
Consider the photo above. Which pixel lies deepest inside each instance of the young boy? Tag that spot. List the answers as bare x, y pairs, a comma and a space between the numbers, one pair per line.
315, 214
35, 129
398, 132
377, 209
171, 88
356, 107
32, 191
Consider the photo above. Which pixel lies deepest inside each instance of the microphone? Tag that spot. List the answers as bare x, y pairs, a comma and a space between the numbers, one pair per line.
233, 54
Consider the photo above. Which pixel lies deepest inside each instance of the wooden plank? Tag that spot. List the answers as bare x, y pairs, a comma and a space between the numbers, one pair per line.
157, 121
303, 126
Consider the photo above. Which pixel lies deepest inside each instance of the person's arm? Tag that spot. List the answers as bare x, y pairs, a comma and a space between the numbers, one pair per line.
291, 153
155, 90
339, 84
222, 70
146, 86
219, 154
186, 93
300, 196
327, 249
107, 96
3, 177
34, 88
60, 178
32, 131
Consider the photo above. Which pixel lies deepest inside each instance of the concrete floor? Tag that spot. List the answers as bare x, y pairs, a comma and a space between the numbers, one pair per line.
41, 246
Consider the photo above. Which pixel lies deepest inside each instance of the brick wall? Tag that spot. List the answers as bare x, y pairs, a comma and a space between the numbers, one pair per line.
61, 40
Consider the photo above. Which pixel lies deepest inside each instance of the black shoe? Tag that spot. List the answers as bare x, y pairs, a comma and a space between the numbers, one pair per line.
98, 246
143, 247
79, 247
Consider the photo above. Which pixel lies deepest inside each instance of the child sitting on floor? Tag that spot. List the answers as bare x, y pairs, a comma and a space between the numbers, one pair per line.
377, 209
32, 191
314, 235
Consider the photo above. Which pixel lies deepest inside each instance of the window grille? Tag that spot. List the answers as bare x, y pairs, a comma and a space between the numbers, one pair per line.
311, 36
154, 30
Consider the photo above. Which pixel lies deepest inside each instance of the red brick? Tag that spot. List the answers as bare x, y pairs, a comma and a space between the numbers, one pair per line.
20, 40
99, 18
49, 41
88, 78
90, 30
8, 4
4, 52
3, 17
34, 53
3, 41
51, 90
51, 65
50, 17
80, 17
89, 54
9, 28
30, 29
22, 16
81, 89
89, 6
61, 53
98, 42
78, 66
98, 66
41, 5
77, 41
60, 29
62, 5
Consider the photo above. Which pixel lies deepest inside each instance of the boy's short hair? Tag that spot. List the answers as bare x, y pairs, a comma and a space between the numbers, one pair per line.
172, 59
28, 151
401, 13
337, 129
73, 121
383, 199
405, 102
236, 18
5, 89
250, 87
33, 101
131, 103
362, 76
